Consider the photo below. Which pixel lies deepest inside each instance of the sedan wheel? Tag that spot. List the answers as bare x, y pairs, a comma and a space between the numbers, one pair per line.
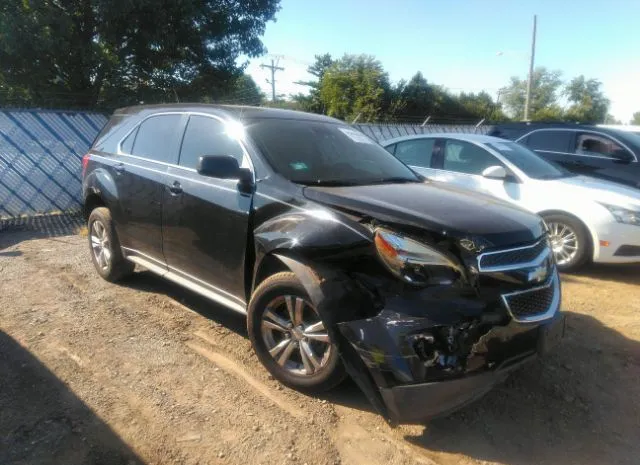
295, 336
564, 242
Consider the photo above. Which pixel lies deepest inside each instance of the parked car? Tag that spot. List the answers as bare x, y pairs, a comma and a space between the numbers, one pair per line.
632, 128
588, 218
341, 257
590, 150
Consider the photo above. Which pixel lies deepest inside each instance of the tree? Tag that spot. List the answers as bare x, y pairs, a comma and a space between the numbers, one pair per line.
610, 119
417, 97
588, 102
111, 52
481, 105
544, 95
312, 101
355, 85
244, 91
636, 118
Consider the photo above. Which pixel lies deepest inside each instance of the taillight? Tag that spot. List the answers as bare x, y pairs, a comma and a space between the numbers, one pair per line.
85, 162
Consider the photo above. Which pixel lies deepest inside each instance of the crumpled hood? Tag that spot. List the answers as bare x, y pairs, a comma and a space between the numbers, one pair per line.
436, 207
600, 190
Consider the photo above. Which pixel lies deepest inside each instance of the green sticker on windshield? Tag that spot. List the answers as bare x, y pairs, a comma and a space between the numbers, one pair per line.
298, 166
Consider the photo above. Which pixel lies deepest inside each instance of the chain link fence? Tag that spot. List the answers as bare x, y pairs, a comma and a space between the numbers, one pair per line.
41, 152
40, 159
385, 131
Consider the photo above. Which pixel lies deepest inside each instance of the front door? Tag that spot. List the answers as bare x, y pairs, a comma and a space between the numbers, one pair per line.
595, 154
140, 176
462, 164
206, 220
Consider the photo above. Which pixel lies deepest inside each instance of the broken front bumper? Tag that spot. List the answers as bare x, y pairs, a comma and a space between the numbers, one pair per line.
413, 389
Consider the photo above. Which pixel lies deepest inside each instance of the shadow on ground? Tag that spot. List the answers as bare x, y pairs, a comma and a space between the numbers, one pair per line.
43, 422
16, 230
578, 405
628, 273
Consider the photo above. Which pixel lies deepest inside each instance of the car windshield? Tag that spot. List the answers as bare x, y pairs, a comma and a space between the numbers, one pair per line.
325, 153
529, 162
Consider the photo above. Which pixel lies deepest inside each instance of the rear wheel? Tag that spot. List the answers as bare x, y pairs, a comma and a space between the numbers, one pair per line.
569, 241
290, 338
105, 248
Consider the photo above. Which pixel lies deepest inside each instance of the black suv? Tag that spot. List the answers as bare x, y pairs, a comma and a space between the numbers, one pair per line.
590, 150
342, 258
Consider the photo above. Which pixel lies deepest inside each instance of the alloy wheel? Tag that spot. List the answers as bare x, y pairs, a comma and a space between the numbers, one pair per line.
564, 242
295, 336
100, 244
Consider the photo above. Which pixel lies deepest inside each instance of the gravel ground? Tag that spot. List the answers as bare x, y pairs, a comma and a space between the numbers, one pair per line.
146, 372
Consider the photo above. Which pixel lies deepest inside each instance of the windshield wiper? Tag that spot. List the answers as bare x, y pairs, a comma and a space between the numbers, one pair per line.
393, 180
326, 182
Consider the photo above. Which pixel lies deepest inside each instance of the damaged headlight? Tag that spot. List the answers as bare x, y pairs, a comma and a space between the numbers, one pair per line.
413, 262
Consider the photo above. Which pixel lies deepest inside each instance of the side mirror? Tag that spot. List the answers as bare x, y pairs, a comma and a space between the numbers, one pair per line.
225, 167
623, 156
495, 172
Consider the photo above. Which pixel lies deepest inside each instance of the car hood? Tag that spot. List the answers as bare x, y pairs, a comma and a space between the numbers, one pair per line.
438, 208
600, 190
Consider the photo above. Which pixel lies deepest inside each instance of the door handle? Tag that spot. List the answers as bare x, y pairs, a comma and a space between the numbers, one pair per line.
175, 188
119, 168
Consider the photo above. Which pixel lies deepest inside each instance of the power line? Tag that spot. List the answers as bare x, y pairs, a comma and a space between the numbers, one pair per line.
273, 67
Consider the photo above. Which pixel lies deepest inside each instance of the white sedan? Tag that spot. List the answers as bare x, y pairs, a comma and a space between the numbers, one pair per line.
588, 218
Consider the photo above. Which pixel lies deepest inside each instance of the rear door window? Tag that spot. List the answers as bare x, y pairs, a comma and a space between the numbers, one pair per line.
415, 152
157, 138
207, 136
550, 141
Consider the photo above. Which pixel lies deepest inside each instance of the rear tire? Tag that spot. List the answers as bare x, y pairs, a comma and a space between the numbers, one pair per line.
289, 337
104, 247
570, 241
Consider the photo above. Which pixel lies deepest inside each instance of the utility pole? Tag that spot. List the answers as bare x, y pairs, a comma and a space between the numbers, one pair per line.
273, 67
527, 101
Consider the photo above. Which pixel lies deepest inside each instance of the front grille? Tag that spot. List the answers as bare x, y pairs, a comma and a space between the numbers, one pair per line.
534, 304
512, 258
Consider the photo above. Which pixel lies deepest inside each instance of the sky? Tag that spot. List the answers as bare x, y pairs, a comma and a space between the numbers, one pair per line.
464, 45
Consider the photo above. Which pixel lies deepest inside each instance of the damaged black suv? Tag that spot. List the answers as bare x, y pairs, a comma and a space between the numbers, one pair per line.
343, 259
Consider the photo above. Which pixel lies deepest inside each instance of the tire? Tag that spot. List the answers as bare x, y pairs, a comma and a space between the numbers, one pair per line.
111, 265
277, 295
564, 232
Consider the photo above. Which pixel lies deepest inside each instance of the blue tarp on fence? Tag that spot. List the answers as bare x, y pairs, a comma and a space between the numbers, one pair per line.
40, 159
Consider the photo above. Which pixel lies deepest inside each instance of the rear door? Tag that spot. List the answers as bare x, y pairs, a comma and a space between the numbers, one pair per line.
140, 176
552, 144
416, 153
206, 220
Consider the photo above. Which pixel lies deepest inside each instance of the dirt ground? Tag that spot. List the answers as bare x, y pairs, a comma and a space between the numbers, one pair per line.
145, 372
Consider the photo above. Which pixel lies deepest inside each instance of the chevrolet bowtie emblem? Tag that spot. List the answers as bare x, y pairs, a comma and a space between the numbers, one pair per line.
538, 275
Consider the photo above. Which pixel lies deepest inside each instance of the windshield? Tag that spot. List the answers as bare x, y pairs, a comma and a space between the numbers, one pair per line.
528, 161
319, 153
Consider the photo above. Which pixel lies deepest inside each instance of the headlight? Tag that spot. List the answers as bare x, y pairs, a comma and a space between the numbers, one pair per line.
413, 262
624, 215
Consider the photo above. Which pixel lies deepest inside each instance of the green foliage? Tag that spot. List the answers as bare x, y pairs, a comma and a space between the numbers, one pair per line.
545, 91
636, 118
588, 102
313, 101
354, 85
82, 53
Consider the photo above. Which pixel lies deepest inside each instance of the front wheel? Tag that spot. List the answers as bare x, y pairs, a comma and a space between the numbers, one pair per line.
569, 241
290, 338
